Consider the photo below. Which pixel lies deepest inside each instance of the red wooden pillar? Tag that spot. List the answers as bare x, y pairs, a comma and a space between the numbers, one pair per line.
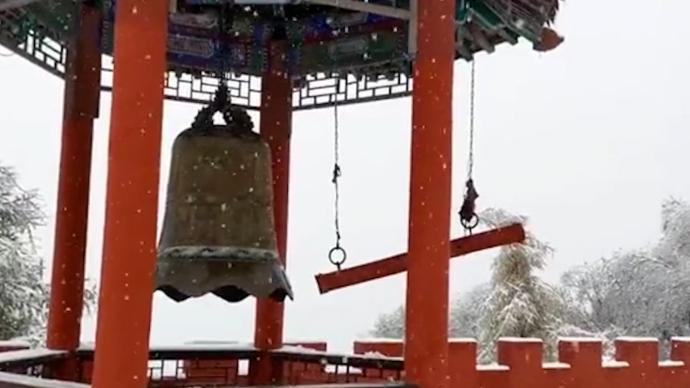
426, 333
276, 127
129, 251
81, 99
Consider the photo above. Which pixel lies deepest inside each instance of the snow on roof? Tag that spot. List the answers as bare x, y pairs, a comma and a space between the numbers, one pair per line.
580, 339
462, 340
299, 349
86, 346
671, 364
492, 367
518, 339
556, 365
380, 340
229, 346
680, 339
14, 344
22, 381
341, 371
29, 354
345, 357
637, 339
305, 341
615, 364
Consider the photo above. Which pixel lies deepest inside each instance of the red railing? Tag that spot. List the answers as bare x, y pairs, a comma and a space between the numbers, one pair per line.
228, 365
580, 364
30, 362
519, 365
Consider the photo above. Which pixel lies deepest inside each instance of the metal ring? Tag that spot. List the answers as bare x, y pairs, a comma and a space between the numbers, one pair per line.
471, 223
331, 255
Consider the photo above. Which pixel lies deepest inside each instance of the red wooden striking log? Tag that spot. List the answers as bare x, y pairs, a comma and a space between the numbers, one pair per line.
396, 264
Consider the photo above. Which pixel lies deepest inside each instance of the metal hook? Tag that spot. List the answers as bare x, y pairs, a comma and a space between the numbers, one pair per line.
468, 214
332, 256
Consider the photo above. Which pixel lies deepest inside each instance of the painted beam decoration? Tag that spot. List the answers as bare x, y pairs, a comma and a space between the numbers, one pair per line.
320, 39
55, 19
353, 42
195, 42
9, 4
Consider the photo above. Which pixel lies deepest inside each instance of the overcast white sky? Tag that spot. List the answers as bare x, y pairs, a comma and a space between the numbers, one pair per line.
586, 141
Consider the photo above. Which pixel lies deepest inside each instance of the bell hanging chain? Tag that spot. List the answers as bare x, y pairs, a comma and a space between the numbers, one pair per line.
468, 215
470, 161
221, 101
337, 255
224, 13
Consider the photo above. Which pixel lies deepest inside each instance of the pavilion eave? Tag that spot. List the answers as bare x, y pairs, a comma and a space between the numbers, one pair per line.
349, 56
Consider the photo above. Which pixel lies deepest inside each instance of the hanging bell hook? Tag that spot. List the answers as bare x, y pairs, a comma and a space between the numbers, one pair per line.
468, 215
337, 256
468, 212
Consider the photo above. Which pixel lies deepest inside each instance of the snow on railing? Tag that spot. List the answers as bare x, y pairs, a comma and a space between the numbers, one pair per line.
211, 364
580, 363
519, 364
9, 380
30, 355
8, 346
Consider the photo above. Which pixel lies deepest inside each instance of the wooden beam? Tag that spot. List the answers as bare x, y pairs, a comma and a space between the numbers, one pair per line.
549, 40
412, 30
481, 39
361, 6
511, 234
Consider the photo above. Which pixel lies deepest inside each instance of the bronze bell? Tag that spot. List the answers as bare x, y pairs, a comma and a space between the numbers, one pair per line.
218, 233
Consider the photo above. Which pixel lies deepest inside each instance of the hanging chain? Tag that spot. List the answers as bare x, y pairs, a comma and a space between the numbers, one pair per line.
223, 16
337, 254
468, 215
337, 172
470, 162
221, 99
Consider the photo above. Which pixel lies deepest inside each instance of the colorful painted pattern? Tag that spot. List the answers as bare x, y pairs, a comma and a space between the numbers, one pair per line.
318, 41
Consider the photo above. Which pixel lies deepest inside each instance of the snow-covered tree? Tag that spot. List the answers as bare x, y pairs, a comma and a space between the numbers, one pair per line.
22, 290
640, 293
516, 303
635, 293
674, 247
390, 325
465, 317
520, 303
466, 312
